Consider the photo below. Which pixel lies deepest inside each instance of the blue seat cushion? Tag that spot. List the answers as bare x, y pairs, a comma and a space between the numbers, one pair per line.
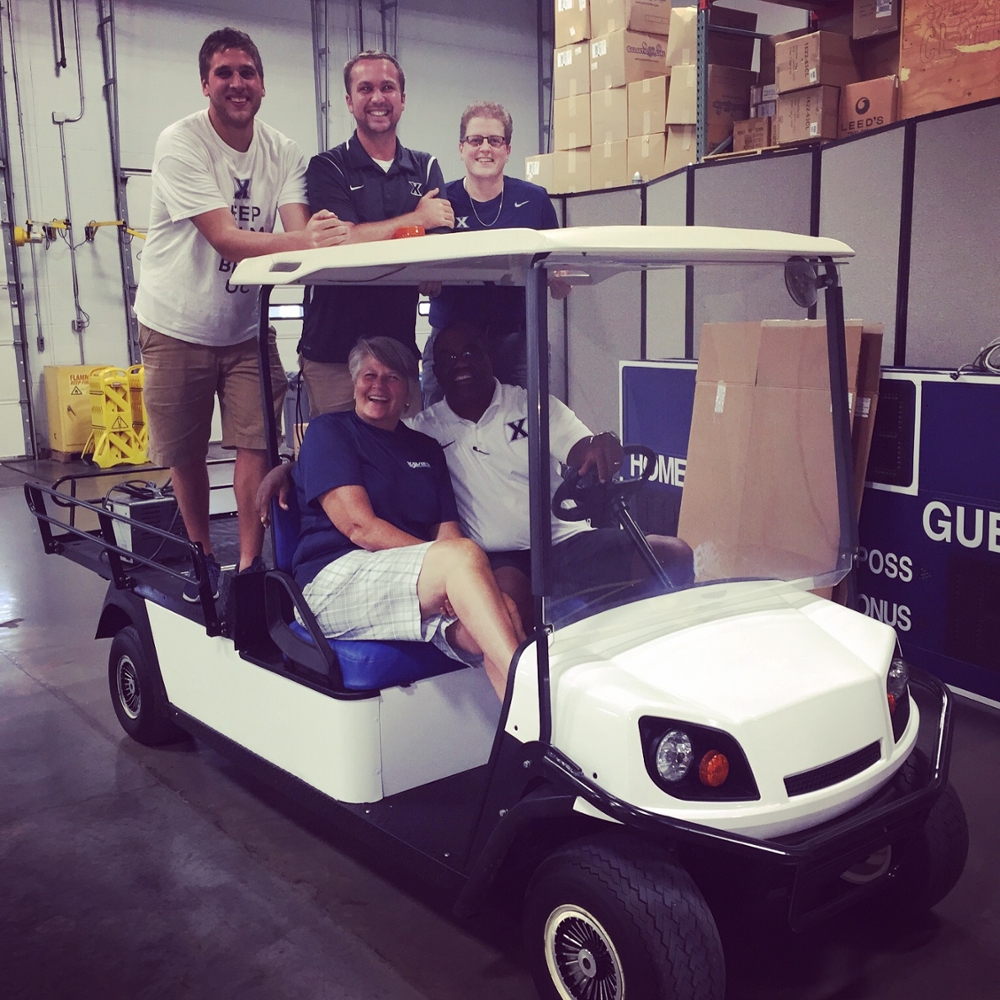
367, 665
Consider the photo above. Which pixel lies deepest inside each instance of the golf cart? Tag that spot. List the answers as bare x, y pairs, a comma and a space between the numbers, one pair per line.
664, 755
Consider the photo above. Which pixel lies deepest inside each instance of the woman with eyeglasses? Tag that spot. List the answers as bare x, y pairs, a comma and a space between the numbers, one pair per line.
485, 198
380, 553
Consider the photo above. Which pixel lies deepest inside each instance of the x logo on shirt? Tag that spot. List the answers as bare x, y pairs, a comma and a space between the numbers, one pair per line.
462, 222
242, 188
417, 188
517, 428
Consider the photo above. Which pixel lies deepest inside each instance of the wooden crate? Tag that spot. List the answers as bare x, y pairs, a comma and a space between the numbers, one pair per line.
949, 54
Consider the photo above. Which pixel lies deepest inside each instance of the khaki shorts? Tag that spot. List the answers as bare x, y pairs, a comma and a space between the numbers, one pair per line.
330, 388
181, 382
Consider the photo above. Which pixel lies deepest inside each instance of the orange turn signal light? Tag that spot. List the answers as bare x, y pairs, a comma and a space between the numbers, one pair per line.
892, 703
713, 769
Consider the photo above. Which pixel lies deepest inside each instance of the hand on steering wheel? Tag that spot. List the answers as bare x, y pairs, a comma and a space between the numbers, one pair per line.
581, 498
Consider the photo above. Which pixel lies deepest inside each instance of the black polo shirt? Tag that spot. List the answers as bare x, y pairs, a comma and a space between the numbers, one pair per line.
346, 180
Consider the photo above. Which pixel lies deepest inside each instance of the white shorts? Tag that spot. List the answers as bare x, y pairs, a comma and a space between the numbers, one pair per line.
373, 595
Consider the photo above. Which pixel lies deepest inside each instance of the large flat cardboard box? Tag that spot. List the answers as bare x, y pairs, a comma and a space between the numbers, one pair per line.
754, 133
949, 55
647, 106
571, 71
572, 22
647, 155
609, 115
723, 50
760, 494
820, 58
571, 171
765, 72
622, 57
865, 403
682, 147
867, 105
806, 115
67, 405
609, 165
540, 169
571, 122
649, 16
875, 17
727, 100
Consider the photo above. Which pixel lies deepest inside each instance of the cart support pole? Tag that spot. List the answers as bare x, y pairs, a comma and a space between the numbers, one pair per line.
538, 476
842, 450
266, 392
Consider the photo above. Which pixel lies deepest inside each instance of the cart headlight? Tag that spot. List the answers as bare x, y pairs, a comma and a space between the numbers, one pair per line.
693, 762
897, 694
895, 683
674, 755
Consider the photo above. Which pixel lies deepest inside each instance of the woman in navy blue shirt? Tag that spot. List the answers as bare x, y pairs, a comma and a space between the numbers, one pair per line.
380, 553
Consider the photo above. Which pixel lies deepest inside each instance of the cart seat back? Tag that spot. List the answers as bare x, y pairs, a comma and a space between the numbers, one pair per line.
362, 664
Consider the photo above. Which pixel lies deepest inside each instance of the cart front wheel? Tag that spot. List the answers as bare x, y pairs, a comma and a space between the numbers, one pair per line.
136, 692
607, 920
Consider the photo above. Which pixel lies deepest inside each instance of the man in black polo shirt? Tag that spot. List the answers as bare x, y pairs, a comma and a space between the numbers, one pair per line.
376, 186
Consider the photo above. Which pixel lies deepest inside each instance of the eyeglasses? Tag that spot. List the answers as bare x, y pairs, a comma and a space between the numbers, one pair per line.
495, 141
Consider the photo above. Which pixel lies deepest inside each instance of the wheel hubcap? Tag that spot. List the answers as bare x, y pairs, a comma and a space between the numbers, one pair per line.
581, 957
128, 688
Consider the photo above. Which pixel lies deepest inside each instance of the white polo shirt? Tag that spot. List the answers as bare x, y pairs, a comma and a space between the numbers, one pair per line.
488, 462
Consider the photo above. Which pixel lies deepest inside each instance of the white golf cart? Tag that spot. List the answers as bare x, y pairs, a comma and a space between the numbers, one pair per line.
661, 752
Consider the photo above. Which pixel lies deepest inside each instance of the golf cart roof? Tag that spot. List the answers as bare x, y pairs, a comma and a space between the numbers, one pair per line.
590, 253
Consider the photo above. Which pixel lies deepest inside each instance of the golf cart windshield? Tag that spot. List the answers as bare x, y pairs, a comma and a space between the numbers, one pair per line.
733, 467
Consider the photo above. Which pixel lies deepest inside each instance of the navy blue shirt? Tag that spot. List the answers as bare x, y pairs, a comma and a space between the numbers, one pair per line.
347, 181
403, 472
501, 310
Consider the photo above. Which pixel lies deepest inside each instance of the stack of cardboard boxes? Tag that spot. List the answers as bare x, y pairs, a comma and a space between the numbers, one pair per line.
729, 79
608, 82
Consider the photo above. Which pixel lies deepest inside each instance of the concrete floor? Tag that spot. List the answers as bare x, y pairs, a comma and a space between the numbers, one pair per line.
140, 873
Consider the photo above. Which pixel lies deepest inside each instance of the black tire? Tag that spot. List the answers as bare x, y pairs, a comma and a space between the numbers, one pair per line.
137, 692
929, 864
610, 919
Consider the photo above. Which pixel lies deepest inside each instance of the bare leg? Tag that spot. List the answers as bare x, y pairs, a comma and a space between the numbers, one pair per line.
251, 467
190, 484
456, 572
514, 583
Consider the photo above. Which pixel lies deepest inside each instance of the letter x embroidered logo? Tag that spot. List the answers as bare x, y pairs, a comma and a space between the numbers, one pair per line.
462, 222
417, 188
242, 188
517, 428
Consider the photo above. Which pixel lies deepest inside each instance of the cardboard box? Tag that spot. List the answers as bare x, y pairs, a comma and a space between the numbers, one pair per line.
571, 171
682, 147
867, 105
539, 169
875, 17
865, 404
572, 22
949, 55
762, 93
571, 71
728, 99
766, 109
806, 115
647, 106
649, 16
571, 122
623, 57
647, 155
723, 50
609, 115
820, 58
67, 403
754, 133
760, 495
609, 165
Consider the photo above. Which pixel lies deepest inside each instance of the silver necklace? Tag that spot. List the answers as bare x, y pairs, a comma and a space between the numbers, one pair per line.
472, 202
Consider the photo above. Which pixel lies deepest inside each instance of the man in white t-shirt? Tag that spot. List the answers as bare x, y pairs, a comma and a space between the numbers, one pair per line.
220, 182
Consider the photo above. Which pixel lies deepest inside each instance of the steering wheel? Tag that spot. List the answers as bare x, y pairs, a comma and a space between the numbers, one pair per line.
581, 498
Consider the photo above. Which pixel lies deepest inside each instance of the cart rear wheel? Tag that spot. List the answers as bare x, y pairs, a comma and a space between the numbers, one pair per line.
610, 919
137, 692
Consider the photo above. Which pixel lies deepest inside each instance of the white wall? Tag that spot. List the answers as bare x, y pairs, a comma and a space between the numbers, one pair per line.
452, 52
